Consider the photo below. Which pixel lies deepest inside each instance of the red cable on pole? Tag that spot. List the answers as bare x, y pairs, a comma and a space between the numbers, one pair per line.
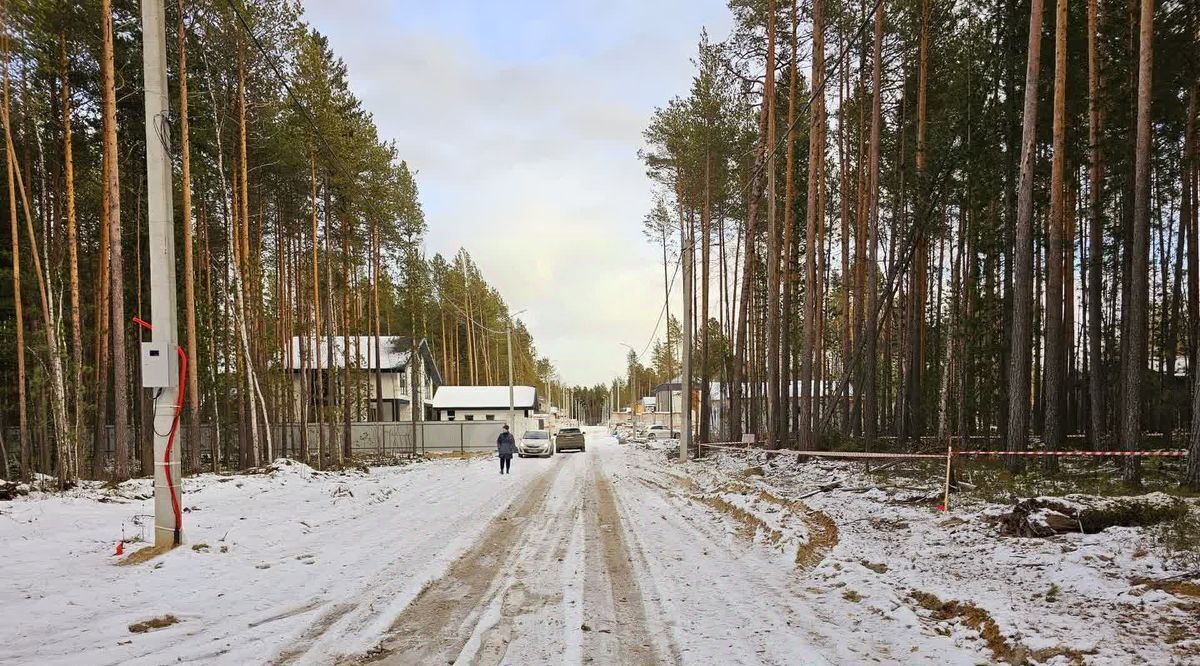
174, 428
171, 442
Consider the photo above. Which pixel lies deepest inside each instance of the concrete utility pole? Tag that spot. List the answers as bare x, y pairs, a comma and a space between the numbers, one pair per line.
512, 424
160, 368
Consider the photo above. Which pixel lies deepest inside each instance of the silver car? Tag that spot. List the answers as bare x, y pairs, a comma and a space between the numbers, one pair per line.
535, 443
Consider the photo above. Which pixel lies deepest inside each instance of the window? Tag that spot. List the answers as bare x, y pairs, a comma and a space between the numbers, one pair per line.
491, 417
470, 417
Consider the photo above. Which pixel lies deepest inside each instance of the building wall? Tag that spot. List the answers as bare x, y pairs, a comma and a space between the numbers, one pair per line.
669, 401
481, 414
396, 386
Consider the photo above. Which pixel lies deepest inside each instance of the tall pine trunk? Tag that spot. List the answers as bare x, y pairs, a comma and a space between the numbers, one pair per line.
1133, 366
1019, 368
189, 275
72, 248
774, 410
1097, 429
315, 347
116, 257
1053, 397
816, 149
22, 406
911, 419
871, 322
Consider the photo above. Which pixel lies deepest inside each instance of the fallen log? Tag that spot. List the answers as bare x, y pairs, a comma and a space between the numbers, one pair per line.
10, 490
1047, 516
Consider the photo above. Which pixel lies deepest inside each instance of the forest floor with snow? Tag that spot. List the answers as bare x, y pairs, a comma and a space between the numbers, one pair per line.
617, 555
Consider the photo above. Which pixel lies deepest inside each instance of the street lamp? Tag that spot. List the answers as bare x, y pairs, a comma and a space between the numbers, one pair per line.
511, 400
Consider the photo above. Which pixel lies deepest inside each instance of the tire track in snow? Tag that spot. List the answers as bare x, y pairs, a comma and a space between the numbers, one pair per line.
440, 624
620, 629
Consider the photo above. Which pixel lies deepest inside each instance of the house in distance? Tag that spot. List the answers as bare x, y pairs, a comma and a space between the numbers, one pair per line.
310, 359
487, 403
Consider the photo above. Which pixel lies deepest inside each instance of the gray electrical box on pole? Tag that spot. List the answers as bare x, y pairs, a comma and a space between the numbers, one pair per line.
160, 358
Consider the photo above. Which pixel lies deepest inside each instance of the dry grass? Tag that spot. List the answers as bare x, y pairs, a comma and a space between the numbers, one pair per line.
143, 555
1180, 588
152, 624
980, 620
822, 537
877, 568
822, 531
748, 524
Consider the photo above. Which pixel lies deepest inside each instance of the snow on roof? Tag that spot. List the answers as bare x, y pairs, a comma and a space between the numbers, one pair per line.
483, 397
394, 352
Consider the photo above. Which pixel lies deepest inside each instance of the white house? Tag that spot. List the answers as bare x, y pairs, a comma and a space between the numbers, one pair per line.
486, 403
306, 357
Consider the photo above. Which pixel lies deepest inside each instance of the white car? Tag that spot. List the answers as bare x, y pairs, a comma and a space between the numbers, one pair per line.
661, 432
535, 443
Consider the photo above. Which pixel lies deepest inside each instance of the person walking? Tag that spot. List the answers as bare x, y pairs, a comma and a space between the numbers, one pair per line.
506, 446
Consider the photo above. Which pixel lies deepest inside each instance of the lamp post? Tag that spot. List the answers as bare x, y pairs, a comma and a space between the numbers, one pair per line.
511, 399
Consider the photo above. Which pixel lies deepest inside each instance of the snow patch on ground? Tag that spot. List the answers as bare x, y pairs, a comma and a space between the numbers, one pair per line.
266, 556
1065, 599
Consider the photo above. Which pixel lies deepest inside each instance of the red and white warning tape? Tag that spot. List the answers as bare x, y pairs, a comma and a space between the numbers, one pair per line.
1161, 453
828, 454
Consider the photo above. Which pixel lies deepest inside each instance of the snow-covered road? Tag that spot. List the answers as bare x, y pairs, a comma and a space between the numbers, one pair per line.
614, 556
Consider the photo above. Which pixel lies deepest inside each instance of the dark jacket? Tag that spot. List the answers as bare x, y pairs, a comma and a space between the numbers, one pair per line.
505, 444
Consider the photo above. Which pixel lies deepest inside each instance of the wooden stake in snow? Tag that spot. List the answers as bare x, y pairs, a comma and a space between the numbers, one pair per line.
949, 462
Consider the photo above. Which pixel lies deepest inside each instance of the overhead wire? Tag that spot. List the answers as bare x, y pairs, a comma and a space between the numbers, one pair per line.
662, 312
335, 160
839, 62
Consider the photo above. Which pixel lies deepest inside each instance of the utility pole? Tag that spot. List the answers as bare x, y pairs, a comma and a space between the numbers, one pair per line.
511, 407
160, 369
512, 424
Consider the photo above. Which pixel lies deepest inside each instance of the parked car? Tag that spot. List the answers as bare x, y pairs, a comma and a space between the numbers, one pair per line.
569, 438
661, 432
535, 443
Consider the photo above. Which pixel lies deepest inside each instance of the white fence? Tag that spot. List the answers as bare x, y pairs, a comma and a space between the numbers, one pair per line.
401, 438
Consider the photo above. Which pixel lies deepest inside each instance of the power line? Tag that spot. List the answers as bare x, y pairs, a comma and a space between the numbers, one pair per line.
235, 5
661, 314
840, 62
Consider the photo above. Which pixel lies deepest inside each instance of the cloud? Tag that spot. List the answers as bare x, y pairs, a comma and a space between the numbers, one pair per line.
523, 123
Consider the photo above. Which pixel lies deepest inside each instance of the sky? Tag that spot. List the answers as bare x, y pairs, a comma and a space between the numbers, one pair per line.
523, 121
